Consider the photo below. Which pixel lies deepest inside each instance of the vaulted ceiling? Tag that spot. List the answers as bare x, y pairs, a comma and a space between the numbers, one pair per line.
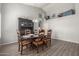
39, 5
51, 8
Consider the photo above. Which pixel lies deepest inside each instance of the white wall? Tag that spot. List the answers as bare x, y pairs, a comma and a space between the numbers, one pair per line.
77, 8
57, 8
0, 23
66, 28
0, 27
10, 14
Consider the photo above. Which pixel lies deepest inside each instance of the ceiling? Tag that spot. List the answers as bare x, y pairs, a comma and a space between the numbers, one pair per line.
39, 5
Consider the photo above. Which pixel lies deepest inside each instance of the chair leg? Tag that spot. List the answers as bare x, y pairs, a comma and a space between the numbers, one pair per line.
30, 46
50, 42
42, 47
37, 49
47, 45
21, 49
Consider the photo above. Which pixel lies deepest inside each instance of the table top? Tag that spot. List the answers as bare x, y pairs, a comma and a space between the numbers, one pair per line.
30, 36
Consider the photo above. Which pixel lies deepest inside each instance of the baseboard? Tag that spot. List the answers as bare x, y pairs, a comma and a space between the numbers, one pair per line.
7, 43
69, 41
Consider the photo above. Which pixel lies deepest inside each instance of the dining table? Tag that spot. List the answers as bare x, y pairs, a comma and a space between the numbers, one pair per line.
30, 37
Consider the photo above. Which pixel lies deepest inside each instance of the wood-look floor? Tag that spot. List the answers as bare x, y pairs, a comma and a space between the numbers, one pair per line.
58, 48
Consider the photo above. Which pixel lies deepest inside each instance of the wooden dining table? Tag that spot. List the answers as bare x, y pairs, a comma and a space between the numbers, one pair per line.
30, 37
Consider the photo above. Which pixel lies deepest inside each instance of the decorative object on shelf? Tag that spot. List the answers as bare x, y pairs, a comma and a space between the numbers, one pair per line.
53, 15
66, 13
47, 17
60, 15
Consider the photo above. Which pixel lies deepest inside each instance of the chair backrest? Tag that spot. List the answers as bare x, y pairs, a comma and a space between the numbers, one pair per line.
42, 32
22, 32
18, 34
27, 31
36, 32
49, 33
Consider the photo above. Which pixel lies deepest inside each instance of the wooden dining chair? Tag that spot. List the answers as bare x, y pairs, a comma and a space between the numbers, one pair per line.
47, 39
21, 41
39, 41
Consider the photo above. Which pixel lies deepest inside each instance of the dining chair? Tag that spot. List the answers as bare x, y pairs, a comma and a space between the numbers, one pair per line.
21, 41
39, 41
47, 40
